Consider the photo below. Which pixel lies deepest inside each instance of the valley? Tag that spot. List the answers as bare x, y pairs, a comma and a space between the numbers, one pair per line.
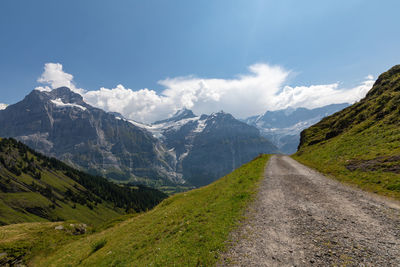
199, 133
35, 188
179, 153
183, 152
186, 229
271, 211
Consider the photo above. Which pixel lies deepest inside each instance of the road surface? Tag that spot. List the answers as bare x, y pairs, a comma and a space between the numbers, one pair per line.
301, 218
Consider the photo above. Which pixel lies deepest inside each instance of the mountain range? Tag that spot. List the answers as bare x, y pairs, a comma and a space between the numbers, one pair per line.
359, 145
60, 124
184, 149
283, 127
209, 146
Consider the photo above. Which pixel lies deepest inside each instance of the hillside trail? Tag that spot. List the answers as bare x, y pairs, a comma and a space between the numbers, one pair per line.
302, 218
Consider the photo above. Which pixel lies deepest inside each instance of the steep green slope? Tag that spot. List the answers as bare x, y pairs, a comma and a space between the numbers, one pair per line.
361, 144
36, 188
19, 243
187, 229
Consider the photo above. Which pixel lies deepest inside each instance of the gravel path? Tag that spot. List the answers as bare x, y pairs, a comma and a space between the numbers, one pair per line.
301, 218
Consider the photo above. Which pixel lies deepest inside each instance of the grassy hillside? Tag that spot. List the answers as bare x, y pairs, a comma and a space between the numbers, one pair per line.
361, 144
21, 242
35, 188
187, 229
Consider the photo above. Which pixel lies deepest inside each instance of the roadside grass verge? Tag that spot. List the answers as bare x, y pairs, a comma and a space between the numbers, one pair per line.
187, 229
360, 145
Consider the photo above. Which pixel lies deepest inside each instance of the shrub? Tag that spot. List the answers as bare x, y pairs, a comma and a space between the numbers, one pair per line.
98, 245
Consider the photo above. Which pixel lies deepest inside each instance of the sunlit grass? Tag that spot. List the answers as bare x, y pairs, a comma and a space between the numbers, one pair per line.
187, 229
331, 157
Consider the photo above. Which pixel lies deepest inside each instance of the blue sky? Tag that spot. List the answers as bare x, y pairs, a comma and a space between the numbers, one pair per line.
139, 43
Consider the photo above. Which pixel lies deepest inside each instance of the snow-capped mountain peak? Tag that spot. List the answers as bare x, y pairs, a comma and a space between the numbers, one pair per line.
199, 142
3, 106
283, 127
179, 115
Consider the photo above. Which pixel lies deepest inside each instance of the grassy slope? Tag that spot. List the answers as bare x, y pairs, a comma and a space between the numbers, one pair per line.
365, 135
21, 242
187, 229
14, 207
17, 207
36, 188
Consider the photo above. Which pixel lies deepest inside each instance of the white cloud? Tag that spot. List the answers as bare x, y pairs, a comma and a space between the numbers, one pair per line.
320, 95
55, 77
242, 96
142, 105
263, 88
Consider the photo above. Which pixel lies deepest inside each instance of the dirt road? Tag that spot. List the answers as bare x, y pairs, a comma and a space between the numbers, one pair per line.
301, 218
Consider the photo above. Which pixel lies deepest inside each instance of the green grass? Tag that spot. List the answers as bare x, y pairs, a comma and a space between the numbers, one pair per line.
34, 187
96, 216
98, 245
187, 229
14, 207
62, 183
9, 215
23, 242
331, 158
24, 200
367, 132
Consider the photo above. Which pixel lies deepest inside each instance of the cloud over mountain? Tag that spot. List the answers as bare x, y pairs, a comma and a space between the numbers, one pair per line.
263, 87
54, 76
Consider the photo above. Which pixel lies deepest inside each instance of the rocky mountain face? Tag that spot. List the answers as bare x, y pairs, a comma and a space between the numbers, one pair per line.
182, 149
283, 127
60, 124
209, 146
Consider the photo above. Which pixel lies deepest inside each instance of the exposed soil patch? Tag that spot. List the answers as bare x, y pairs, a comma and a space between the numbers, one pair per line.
302, 218
387, 164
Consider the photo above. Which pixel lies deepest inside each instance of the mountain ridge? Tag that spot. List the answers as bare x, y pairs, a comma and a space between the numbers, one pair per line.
361, 143
283, 127
34, 187
59, 123
208, 146
179, 115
